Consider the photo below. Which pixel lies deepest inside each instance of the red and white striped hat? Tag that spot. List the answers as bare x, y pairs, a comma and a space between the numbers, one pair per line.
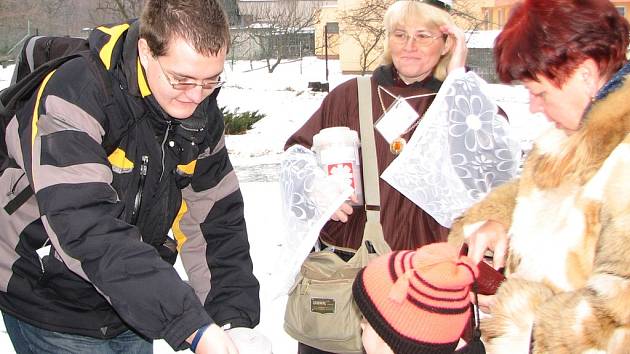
417, 301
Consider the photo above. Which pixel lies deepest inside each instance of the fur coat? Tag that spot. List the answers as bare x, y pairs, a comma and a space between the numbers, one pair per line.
568, 216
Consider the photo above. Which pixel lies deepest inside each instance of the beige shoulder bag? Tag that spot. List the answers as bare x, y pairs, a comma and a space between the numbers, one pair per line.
320, 311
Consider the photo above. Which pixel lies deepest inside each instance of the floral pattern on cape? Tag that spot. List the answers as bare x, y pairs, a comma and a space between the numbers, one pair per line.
461, 148
309, 198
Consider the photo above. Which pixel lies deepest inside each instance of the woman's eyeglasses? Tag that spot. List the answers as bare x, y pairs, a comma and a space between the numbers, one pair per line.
422, 39
187, 85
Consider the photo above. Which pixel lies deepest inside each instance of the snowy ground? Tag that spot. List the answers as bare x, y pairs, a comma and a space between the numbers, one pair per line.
286, 101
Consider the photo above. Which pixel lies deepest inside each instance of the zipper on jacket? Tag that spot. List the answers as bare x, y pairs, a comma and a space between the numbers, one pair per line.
168, 129
17, 200
14, 185
143, 174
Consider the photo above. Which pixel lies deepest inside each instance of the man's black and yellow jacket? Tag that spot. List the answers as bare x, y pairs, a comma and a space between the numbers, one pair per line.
112, 174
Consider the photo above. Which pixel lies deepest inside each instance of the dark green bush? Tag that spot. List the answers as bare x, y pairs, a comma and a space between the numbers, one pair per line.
239, 122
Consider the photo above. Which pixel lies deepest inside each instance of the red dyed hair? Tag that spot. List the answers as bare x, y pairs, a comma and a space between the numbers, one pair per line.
553, 37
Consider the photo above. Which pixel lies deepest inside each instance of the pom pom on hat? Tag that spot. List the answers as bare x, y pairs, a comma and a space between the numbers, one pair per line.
417, 301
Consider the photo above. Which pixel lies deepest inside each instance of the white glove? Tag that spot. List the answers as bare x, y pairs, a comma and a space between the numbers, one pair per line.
249, 341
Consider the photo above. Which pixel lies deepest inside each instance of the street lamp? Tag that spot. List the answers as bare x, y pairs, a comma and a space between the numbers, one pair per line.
326, 48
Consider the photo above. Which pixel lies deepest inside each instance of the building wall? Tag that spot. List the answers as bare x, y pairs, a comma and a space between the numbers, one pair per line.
328, 15
340, 45
257, 18
494, 12
498, 11
624, 8
349, 49
495, 16
473, 11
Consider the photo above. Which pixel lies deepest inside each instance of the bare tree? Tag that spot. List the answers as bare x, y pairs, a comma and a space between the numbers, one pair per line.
276, 27
117, 10
239, 48
364, 24
20, 18
465, 16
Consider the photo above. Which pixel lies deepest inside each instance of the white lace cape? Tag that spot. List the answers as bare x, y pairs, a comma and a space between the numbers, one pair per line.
461, 148
309, 198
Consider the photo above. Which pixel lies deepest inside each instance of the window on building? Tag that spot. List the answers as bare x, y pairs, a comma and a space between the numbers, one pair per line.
332, 27
500, 17
621, 10
487, 19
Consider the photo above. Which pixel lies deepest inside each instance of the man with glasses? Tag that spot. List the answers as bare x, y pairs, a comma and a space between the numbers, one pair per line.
117, 158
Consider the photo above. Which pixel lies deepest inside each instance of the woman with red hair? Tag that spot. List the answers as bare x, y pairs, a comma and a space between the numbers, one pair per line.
562, 230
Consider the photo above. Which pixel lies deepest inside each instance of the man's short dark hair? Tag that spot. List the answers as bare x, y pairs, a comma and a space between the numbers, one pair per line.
202, 23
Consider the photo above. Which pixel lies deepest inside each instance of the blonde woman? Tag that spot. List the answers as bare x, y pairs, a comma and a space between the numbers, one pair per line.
422, 46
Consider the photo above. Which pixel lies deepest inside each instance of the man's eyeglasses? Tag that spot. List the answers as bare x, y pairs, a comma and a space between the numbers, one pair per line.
422, 39
187, 85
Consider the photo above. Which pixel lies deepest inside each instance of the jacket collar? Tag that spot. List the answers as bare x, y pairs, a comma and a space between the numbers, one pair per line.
607, 120
615, 82
117, 46
609, 112
133, 70
386, 75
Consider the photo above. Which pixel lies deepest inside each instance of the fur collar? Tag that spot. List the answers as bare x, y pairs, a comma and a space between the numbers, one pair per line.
576, 158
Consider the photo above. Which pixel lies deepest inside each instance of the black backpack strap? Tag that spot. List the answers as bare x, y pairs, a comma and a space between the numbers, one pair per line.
38, 50
14, 95
12, 98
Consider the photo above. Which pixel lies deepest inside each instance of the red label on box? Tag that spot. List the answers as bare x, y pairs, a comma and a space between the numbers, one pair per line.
343, 170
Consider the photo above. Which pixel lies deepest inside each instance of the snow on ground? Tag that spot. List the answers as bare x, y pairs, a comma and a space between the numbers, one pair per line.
282, 96
285, 99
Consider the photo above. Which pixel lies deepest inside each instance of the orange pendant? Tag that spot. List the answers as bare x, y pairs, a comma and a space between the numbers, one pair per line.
397, 145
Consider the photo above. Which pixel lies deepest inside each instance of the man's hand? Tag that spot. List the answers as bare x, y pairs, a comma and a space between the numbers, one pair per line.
249, 341
214, 341
491, 235
344, 210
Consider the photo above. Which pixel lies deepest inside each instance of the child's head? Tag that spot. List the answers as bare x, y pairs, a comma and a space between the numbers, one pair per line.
415, 301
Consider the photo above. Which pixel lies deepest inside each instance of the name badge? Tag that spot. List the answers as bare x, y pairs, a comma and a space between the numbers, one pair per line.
396, 120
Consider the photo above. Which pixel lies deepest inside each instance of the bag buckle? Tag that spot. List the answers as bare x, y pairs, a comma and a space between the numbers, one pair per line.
370, 207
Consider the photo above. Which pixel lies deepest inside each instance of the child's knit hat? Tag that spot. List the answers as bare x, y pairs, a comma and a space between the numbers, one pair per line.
417, 301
